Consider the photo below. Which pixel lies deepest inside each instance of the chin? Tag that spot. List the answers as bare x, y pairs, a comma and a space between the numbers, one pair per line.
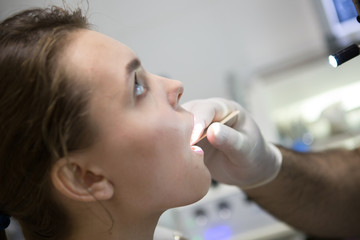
198, 193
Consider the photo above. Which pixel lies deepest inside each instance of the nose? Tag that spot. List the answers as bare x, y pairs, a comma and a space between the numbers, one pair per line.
174, 90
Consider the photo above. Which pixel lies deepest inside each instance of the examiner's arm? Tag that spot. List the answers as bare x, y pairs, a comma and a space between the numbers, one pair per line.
318, 193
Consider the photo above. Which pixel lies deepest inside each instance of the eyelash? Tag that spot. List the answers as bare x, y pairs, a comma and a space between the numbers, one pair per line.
139, 88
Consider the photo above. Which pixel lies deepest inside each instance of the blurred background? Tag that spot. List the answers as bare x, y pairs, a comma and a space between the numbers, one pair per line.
270, 56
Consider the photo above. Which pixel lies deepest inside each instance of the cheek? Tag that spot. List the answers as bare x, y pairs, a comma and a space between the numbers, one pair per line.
155, 161
149, 155
174, 170
163, 138
162, 149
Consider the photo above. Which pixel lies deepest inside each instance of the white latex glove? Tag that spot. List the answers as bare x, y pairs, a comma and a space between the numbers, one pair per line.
236, 154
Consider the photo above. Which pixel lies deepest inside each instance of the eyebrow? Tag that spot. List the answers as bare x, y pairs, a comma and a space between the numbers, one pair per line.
132, 66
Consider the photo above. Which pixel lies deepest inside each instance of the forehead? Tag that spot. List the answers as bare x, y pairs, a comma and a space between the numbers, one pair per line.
92, 55
99, 63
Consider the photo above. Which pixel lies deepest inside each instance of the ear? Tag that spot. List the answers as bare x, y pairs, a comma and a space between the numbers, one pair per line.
80, 183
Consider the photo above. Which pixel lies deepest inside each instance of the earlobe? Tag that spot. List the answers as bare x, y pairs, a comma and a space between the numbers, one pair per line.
78, 183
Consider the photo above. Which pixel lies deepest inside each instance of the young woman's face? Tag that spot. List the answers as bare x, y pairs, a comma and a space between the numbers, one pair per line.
143, 141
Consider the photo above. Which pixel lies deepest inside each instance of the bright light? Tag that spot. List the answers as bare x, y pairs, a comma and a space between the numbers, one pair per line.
333, 62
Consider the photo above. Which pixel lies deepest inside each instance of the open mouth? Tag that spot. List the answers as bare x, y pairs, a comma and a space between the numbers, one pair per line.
197, 149
199, 132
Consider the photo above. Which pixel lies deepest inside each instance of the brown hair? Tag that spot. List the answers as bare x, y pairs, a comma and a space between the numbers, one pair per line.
42, 117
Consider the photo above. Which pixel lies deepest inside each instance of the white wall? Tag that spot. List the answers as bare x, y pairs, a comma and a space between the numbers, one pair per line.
201, 42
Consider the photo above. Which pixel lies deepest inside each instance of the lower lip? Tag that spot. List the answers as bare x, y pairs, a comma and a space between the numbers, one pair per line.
197, 149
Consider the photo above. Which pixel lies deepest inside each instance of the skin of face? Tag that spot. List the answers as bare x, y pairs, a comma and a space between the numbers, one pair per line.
143, 134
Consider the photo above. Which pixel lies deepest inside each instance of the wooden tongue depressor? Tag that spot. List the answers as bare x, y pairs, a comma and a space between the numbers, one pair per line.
223, 121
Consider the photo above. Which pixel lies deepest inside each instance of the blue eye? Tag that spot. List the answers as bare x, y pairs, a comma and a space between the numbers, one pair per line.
139, 88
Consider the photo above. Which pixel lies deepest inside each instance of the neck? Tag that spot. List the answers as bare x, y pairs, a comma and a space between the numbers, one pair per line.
111, 226
139, 231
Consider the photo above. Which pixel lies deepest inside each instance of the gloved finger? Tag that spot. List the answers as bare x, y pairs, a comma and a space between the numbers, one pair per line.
210, 110
207, 111
231, 142
220, 169
204, 112
223, 168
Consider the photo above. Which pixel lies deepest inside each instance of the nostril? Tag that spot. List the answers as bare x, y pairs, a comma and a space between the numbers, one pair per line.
180, 92
174, 90
180, 95
175, 96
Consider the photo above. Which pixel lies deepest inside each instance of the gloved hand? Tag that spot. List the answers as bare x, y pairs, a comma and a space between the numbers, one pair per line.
236, 154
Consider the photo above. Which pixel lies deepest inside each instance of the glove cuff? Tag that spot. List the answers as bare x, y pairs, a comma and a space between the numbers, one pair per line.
277, 161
